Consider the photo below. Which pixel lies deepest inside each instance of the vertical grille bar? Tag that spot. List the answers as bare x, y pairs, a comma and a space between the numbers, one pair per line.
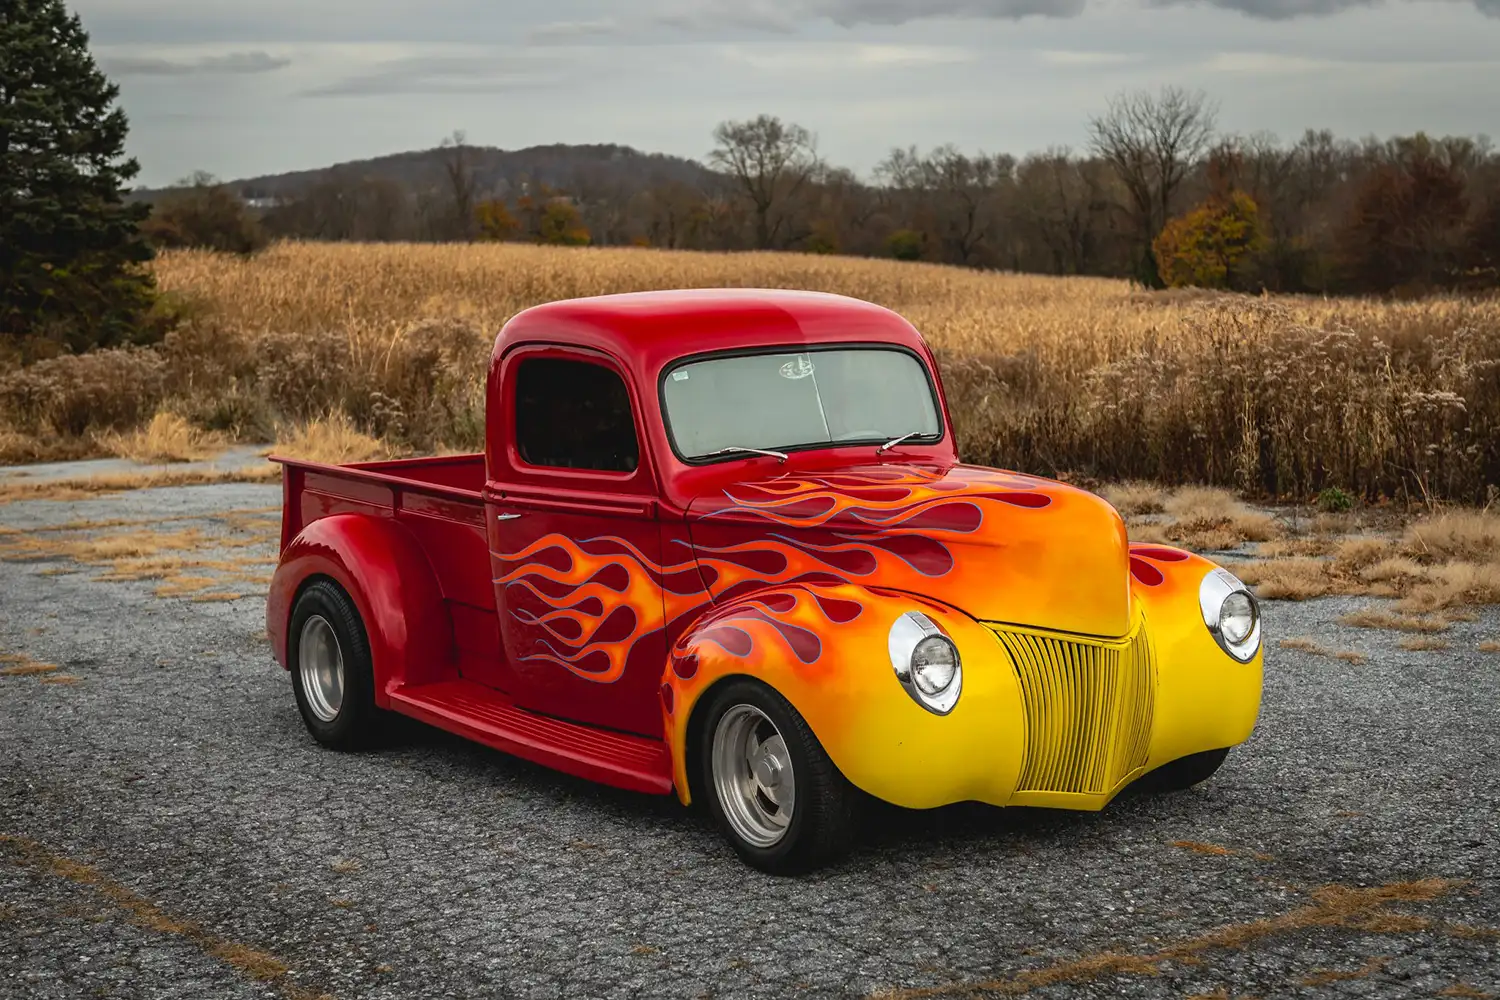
1088, 709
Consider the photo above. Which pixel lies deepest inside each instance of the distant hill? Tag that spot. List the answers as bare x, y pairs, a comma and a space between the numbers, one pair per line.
576, 169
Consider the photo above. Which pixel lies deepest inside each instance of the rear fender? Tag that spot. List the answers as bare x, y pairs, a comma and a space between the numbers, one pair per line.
388, 576
825, 649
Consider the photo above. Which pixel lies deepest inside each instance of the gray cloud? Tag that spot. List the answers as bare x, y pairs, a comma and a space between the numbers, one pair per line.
784, 18
1275, 10
562, 32
849, 13
233, 64
1286, 10
482, 74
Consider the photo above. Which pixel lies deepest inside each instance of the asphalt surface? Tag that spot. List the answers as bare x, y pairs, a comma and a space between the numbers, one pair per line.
168, 829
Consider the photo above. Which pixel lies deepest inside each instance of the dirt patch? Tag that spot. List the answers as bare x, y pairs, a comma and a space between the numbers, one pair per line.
257, 965
188, 559
1333, 906
1315, 648
91, 486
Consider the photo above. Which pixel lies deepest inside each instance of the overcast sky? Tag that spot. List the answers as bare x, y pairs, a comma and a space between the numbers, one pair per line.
243, 88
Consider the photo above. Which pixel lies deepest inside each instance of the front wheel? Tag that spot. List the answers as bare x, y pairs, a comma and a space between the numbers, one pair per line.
773, 791
332, 672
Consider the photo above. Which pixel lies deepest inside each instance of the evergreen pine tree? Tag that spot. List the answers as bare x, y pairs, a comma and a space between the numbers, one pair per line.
70, 247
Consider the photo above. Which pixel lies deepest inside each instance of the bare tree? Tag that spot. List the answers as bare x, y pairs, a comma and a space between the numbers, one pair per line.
959, 196
1153, 141
458, 163
771, 161
1066, 203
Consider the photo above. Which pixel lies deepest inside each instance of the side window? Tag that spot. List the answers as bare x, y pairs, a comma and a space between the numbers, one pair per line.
574, 415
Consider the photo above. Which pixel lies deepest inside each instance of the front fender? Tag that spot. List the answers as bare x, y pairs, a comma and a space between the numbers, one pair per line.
385, 572
1205, 699
824, 649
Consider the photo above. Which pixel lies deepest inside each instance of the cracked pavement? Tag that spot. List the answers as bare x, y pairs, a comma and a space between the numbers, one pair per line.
168, 829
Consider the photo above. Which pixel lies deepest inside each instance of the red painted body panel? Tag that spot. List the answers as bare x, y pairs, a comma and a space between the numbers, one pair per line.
488, 717
383, 568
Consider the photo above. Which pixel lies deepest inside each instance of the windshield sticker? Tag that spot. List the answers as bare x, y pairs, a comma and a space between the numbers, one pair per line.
679, 376
800, 368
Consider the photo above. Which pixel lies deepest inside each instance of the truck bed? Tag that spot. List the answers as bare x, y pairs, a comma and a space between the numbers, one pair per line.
441, 501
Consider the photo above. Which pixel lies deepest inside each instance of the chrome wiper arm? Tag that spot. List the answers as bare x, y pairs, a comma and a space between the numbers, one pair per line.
901, 440
780, 456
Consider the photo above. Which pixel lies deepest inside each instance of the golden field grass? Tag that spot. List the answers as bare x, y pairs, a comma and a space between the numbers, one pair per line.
200, 557
1069, 377
1186, 402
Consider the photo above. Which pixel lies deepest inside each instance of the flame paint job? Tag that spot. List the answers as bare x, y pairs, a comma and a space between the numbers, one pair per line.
1001, 546
603, 596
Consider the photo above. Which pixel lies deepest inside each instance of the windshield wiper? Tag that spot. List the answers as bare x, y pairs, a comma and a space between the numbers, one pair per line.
901, 440
780, 456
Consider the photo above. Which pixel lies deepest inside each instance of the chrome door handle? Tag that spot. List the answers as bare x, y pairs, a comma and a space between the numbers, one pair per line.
506, 517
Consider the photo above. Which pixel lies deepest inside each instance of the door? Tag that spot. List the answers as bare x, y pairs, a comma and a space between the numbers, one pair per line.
575, 545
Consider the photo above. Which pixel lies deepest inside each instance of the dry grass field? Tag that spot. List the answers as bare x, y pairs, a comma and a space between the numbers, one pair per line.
1161, 400
1077, 377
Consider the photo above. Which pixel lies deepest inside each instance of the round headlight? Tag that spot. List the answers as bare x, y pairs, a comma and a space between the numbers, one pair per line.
1231, 614
934, 664
1237, 618
926, 662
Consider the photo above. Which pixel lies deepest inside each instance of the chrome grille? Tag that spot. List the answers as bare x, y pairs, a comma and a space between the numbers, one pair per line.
1088, 709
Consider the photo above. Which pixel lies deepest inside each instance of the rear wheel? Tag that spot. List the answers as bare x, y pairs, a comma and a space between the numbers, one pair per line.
773, 791
333, 677
1185, 772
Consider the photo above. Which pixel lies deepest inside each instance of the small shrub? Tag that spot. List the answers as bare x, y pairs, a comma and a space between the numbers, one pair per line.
906, 244
75, 394
167, 438
1334, 501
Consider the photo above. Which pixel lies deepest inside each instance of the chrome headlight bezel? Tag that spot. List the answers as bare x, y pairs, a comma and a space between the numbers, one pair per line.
907, 633
1217, 587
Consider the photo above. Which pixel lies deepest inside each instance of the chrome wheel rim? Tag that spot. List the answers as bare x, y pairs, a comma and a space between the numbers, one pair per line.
320, 664
753, 776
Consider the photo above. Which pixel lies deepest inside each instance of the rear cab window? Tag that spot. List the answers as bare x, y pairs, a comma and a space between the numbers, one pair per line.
574, 414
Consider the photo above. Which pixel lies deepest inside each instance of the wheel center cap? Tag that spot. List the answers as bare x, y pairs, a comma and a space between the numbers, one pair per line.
768, 770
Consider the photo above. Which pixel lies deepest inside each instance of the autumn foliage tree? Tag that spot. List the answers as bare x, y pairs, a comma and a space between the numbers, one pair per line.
495, 223
1213, 246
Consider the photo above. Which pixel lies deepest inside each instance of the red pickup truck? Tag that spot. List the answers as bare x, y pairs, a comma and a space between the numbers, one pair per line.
719, 544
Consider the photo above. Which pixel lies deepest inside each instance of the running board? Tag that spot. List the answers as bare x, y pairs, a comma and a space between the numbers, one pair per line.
486, 716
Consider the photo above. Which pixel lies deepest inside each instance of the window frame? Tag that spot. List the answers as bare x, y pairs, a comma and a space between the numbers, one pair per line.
562, 475
761, 350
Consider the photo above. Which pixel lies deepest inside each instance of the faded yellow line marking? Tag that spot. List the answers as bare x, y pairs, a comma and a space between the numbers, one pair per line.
257, 965
1332, 906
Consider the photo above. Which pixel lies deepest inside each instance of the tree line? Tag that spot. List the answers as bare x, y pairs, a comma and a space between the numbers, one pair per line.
1159, 195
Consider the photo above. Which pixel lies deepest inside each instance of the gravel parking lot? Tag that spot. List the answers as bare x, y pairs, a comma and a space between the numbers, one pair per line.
168, 829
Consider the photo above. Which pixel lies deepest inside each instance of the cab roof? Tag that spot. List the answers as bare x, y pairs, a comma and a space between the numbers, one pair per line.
648, 330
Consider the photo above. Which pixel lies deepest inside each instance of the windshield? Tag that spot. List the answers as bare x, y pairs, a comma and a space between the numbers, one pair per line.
785, 401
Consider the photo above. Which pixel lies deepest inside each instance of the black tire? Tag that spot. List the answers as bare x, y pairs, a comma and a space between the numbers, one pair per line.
1183, 773
358, 724
825, 805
